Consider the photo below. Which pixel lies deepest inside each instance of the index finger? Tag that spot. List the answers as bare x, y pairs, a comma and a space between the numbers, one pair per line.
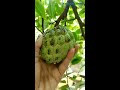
64, 65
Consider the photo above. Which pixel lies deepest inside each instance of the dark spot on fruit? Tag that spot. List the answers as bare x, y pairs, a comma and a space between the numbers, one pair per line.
49, 51
59, 38
57, 50
64, 31
56, 58
49, 59
50, 35
45, 43
67, 40
52, 42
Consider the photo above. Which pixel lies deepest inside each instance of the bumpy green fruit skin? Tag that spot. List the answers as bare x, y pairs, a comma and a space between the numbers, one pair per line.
56, 44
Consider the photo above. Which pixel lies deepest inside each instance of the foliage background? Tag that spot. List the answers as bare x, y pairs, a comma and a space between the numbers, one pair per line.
50, 10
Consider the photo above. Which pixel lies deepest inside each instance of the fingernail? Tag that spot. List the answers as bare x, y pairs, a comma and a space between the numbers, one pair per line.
78, 45
73, 50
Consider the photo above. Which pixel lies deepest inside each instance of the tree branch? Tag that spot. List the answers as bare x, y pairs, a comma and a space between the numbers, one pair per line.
64, 14
81, 24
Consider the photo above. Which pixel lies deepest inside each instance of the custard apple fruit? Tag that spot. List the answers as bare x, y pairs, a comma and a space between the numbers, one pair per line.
56, 44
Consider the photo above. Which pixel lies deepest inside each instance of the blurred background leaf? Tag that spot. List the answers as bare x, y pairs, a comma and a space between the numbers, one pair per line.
39, 8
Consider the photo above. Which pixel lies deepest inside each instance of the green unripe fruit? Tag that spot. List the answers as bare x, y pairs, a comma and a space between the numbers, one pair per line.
56, 44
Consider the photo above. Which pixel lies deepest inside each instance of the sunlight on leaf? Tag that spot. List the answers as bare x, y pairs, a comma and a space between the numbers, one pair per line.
39, 8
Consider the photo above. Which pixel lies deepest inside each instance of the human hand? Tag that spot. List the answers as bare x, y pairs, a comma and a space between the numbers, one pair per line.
48, 76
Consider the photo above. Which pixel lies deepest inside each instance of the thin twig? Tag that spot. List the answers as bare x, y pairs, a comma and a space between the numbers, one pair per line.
71, 19
37, 28
42, 25
67, 77
64, 14
82, 76
67, 81
81, 68
62, 21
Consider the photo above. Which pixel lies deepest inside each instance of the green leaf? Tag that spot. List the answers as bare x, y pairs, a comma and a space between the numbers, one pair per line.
66, 74
45, 1
76, 60
79, 85
82, 15
70, 12
82, 11
58, 9
39, 8
64, 87
70, 21
75, 35
80, 5
83, 1
36, 14
51, 8
46, 23
78, 31
73, 78
63, 81
57, 1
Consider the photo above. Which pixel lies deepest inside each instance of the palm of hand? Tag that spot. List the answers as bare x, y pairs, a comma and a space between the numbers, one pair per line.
49, 76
